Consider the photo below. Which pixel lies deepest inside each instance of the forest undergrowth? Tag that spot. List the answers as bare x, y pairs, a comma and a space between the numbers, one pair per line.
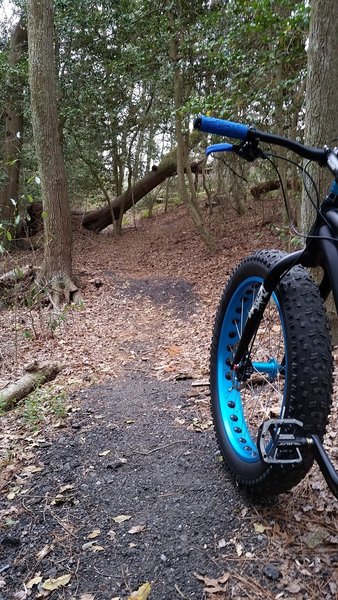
148, 302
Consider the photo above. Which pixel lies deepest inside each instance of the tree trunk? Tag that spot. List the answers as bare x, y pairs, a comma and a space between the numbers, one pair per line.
56, 270
9, 190
235, 184
99, 219
321, 124
183, 165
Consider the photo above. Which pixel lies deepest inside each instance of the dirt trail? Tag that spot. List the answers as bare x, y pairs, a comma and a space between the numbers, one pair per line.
137, 439
135, 456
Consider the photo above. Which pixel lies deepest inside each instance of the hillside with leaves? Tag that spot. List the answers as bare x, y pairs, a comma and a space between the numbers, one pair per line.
110, 474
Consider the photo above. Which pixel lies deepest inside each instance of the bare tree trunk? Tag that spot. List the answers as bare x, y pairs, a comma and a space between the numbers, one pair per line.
9, 191
321, 125
166, 201
280, 122
56, 270
182, 149
236, 187
138, 166
150, 147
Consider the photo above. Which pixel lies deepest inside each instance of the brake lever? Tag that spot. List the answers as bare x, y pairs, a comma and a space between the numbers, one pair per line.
249, 150
224, 147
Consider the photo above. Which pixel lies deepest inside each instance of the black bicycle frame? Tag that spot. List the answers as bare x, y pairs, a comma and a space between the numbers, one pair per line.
321, 250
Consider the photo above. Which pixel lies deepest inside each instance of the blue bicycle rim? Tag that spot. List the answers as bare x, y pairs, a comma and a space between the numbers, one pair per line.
229, 394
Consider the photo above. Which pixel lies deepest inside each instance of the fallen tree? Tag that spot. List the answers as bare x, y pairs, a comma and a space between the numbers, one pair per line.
269, 186
16, 285
97, 220
36, 374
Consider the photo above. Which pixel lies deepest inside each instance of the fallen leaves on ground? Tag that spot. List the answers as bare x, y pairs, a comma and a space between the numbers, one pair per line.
214, 586
32, 582
137, 529
94, 534
54, 584
142, 593
299, 536
92, 546
44, 552
121, 518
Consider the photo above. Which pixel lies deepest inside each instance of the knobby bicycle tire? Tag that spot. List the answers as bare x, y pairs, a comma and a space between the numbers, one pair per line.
291, 372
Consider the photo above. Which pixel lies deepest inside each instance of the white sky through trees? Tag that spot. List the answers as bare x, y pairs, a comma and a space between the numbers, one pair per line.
7, 9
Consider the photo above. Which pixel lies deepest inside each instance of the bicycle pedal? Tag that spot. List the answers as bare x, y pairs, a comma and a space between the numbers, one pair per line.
279, 441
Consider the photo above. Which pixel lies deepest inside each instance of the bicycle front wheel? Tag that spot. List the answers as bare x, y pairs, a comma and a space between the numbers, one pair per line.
289, 375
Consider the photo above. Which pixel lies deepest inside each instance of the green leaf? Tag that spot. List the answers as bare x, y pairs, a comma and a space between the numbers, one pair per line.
27, 334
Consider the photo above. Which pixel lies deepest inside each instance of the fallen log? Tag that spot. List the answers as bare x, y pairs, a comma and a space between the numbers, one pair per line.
16, 285
97, 220
36, 375
18, 274
268, 186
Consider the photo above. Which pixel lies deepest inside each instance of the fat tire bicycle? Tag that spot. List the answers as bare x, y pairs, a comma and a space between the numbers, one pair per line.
271, 366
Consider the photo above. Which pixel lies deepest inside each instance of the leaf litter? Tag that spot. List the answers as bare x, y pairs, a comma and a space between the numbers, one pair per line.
297, 536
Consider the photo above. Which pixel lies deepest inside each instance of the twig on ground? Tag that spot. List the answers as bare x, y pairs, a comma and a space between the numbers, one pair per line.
255, 587
125, 575
180, 593
61, 524
145, 453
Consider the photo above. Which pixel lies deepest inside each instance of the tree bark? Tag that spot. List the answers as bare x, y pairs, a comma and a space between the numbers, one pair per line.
56, 271
321, 123
9, 190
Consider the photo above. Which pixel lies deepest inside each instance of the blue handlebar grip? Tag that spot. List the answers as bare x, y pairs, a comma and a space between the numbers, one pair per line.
220, 127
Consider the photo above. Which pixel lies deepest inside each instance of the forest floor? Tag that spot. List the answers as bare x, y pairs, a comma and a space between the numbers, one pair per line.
111, 478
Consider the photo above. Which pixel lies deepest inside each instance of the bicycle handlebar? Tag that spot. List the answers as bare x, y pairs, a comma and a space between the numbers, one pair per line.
317, 154
221, 127
245, 133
